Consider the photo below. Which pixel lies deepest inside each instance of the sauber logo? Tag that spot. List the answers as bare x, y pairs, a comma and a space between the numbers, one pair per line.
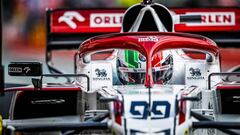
148, 39
101, 75
68, 18
214, 19
106, 20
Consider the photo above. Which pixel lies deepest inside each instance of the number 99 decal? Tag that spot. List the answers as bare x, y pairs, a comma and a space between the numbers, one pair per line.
159, 110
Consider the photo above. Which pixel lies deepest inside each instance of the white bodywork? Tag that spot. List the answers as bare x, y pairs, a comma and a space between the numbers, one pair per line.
137, 100
181, 84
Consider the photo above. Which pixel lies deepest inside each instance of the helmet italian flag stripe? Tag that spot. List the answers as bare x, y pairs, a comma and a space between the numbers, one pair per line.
131, 57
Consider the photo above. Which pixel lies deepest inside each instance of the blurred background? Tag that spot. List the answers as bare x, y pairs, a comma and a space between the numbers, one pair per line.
24, 32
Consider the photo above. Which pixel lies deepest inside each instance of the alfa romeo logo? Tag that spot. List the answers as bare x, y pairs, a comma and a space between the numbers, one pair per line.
195, 72
101, 73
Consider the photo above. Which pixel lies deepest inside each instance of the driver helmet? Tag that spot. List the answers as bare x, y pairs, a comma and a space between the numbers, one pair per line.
131, 67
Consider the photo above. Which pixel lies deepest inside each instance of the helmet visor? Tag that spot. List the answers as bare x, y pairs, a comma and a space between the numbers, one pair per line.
132, 68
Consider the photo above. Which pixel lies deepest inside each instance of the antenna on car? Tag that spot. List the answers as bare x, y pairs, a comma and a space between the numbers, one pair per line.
147, 2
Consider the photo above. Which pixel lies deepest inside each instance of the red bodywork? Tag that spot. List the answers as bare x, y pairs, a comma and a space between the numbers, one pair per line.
148, 49
228, 87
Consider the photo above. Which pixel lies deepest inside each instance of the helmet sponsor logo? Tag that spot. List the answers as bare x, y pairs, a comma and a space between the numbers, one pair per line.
141, 58
148, 39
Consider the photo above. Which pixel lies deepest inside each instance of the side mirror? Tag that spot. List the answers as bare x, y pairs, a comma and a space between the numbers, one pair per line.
25, 69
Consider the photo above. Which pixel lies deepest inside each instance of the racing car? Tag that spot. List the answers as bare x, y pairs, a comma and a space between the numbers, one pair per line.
147, 79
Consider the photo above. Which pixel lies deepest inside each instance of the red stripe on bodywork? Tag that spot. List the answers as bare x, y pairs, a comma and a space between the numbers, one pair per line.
228, 87
60, 88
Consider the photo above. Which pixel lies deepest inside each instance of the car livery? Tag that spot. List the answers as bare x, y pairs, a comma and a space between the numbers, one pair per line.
145, 79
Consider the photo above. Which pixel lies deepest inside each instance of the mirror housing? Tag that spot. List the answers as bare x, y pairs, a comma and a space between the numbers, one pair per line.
25, 69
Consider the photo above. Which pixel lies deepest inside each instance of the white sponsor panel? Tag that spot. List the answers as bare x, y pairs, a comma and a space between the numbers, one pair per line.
214, 19
101, 75
162, 112
195, 74
106, 19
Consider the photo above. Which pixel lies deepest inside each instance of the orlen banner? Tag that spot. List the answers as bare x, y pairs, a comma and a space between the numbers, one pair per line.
109, 20
86, 21
213, 19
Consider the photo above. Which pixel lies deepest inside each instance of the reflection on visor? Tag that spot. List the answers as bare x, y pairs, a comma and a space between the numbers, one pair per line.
143, 70
131, 68
137, 75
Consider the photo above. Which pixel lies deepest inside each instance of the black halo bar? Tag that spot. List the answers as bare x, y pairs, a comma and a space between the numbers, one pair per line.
217, 124
60, 126
202, 118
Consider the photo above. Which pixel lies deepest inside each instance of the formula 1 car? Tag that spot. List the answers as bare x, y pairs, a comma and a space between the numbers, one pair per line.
148, 79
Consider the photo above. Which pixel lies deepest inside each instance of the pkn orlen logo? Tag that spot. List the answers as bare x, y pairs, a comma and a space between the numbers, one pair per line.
101, 75
195, 74
68, 18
